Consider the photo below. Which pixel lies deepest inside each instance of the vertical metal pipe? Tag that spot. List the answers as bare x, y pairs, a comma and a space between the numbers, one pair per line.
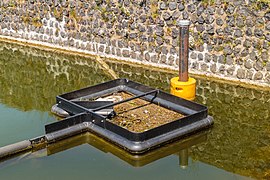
183, 50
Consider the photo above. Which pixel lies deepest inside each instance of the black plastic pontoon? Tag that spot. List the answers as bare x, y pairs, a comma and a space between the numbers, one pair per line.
86, 119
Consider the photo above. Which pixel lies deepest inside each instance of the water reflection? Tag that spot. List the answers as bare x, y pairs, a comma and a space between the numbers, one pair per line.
139, 160
178, 148
30, 78
239, 141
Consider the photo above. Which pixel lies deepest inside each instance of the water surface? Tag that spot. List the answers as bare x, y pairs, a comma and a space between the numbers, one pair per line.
237, 147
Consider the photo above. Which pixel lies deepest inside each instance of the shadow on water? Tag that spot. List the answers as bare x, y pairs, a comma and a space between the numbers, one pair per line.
239, 142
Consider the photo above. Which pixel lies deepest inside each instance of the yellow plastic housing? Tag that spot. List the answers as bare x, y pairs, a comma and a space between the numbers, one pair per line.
186, 90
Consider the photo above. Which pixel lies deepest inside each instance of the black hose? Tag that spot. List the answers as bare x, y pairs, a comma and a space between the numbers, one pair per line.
67, 132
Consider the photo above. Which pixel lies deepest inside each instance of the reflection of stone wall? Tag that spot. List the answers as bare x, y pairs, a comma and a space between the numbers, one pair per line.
30, 78
240, 139
229, 38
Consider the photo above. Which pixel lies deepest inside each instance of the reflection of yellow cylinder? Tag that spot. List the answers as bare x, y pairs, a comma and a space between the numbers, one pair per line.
186, 90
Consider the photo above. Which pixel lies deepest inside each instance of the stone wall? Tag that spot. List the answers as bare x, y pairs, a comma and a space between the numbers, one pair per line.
229, 39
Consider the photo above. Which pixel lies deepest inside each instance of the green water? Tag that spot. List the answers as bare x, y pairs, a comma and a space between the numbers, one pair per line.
237, 147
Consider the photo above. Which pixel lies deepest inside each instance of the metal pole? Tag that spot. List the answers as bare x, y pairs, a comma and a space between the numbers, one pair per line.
183, 50
156, 91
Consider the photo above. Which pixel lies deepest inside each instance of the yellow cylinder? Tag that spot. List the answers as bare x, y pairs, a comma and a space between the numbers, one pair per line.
186, 90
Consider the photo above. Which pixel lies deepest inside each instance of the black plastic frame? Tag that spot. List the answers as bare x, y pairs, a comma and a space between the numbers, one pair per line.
134, 160
196, 115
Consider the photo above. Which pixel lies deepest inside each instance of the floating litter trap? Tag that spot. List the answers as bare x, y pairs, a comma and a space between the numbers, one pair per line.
133, 116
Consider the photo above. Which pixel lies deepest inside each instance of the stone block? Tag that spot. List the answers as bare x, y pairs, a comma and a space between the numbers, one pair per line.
125, 53
258, 76
230, 70
147, 56
204, 67
241, 73
172, 6
250, 74
258, 66
181, 6
267, 77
